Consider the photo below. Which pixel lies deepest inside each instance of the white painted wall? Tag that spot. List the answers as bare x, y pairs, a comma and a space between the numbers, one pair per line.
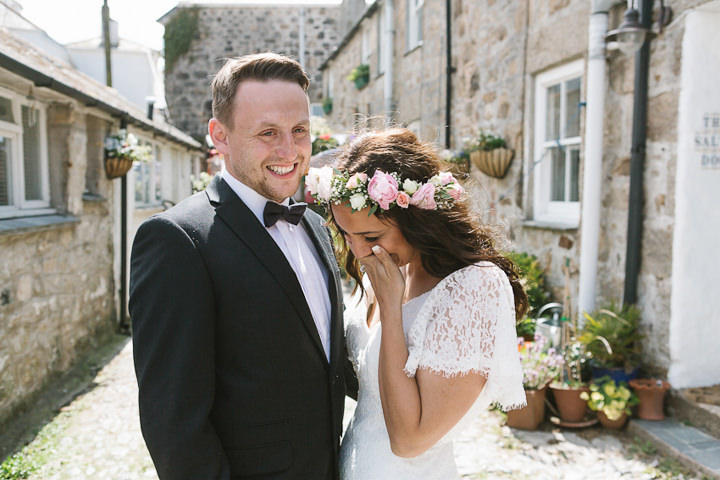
135, 71
695, 317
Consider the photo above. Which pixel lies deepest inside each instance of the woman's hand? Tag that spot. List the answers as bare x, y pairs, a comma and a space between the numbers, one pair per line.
387, 280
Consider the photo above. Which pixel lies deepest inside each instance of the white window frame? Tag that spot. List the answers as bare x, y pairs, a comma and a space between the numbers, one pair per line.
381, 41
19, 206
414, 34
365, 46
565, 213
151, 179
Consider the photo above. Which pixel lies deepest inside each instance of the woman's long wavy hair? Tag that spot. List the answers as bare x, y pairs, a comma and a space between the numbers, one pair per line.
447, 239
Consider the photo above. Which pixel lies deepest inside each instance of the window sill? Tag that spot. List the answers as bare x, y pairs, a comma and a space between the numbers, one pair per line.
91, 197
551, 225
22, 225
416, 47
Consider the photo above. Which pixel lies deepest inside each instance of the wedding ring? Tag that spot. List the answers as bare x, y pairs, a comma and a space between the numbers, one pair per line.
362, 268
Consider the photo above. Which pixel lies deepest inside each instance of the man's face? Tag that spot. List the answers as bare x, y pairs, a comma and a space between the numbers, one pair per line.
268, 149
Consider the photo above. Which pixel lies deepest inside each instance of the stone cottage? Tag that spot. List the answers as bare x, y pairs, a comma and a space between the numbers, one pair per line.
630, 211
60, 216
306, 32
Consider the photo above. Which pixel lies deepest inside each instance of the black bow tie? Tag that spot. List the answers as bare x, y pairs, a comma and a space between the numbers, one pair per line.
274, 212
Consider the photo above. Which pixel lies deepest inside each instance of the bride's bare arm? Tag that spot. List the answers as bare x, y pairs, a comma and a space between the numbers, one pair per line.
418, 411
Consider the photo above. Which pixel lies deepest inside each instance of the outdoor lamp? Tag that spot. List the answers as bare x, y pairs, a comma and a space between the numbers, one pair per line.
630, 35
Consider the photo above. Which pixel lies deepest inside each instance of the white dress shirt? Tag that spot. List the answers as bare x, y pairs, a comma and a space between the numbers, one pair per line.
298, 248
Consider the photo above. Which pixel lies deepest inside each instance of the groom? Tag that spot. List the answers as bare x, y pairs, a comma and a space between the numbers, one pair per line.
236, 303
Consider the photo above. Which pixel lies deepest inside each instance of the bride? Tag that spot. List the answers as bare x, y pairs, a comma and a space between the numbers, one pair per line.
434, 340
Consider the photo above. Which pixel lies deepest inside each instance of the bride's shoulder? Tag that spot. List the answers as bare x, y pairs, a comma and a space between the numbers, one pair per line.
482, 273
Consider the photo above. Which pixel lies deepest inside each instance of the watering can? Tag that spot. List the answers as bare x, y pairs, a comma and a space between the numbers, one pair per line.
550, 325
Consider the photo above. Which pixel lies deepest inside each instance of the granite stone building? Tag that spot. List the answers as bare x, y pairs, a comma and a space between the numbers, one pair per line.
632, 212
61, 229
306, 32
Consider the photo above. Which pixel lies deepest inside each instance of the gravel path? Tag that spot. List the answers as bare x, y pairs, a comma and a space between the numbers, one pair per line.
97, 436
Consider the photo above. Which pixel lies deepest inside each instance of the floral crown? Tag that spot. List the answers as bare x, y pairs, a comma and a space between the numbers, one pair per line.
384, 190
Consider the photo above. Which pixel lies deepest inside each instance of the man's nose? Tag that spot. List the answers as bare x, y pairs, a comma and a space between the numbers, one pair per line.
286, 146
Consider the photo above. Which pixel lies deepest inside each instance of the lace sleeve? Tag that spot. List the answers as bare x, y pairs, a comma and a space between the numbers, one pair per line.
467, 325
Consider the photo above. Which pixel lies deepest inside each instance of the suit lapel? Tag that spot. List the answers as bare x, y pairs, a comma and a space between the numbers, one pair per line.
319, 235
245, 225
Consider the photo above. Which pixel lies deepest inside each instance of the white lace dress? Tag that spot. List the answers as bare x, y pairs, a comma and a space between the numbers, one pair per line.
465, 324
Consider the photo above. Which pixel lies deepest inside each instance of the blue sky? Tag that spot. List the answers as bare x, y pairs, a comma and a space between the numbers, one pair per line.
74, 20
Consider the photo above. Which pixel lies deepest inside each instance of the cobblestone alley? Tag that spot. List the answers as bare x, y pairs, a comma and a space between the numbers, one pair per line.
97, 436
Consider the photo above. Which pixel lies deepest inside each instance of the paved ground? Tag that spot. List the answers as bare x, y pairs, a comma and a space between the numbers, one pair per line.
97, 436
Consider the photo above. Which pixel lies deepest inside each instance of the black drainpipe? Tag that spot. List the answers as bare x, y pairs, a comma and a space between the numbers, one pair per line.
449, 70
637, 161
124, 324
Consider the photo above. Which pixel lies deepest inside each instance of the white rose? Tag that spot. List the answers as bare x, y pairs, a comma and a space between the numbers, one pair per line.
325, 183
435, 180
357, 201
410, 186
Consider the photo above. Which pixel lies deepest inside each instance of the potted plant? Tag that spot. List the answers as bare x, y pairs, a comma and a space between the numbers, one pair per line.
490, 154
566, 392
611, 337
360, 75
121, 150
611, 401
540, 367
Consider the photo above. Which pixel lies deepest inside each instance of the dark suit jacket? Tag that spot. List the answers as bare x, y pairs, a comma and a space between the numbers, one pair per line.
233, 379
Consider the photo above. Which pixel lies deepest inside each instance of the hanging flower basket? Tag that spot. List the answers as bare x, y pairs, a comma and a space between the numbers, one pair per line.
116, 167
494, 163
121, 150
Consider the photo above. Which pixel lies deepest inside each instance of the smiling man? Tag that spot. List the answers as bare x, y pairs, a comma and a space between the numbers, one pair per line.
236, 303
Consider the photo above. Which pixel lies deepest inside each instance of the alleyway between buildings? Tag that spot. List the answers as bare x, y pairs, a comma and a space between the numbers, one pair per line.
97, 436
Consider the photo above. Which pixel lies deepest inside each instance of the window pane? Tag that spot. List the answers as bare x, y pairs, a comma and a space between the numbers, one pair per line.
6, 111
574, 175
5, 155
557, 193
572, 114
31, 153
552, 113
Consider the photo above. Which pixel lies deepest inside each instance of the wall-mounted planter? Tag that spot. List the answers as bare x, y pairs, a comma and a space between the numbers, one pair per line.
116, 167
360, 75
494, 163
361, 81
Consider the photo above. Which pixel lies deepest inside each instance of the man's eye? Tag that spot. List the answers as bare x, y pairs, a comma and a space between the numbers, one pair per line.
267, 134
300, 130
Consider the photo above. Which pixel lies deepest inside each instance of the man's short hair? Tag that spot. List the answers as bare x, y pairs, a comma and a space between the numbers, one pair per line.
262, 67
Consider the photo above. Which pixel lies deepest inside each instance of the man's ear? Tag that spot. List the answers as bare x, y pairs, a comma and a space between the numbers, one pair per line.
218, 135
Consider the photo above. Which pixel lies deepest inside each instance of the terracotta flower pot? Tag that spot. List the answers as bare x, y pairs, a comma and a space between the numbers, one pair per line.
531, 415
612, 424
571, 407
651, 393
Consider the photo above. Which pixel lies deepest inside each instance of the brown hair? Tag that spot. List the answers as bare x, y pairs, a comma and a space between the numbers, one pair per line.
447, 239
262, 67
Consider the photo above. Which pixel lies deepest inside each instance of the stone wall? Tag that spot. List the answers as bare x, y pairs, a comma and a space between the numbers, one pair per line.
231, 31
498, 50
58, 292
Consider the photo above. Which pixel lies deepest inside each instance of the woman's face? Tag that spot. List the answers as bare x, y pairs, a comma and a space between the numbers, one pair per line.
361, 232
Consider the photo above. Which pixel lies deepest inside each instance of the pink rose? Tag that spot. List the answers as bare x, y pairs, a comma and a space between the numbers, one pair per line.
403, 200
383, 188
454, 190
355, 180
424, 198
